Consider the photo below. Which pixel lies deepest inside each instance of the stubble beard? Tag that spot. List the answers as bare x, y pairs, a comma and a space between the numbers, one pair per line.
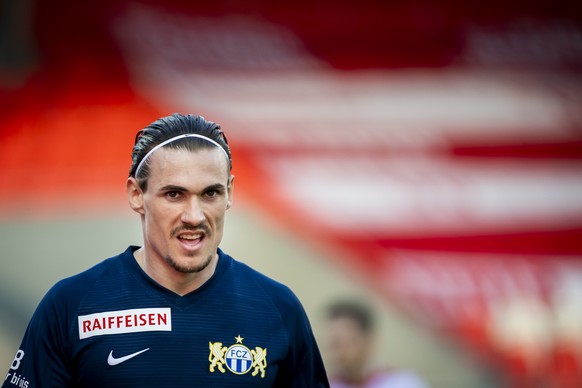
188, 268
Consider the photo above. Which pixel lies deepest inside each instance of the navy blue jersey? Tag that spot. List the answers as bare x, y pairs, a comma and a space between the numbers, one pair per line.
114, 326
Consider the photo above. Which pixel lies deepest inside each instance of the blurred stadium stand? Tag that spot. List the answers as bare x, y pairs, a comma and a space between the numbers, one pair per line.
424, 155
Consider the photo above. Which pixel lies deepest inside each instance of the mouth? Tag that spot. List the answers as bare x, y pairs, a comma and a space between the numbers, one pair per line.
191, 240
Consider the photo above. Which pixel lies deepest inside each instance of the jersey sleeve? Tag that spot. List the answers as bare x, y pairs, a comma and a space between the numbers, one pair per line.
309, 369
41, 360
304, 366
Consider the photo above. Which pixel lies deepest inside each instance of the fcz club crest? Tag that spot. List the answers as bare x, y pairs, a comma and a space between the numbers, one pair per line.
237, 358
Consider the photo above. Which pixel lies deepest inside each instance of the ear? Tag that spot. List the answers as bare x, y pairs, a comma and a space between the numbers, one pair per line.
229, 190
134, 195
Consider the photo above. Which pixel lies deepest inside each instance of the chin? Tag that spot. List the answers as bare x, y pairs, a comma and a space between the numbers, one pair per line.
189, 265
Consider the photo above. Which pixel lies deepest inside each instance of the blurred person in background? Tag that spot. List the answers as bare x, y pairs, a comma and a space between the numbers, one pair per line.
351, 336
177, 311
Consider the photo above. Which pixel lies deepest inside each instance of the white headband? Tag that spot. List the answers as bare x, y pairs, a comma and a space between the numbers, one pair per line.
139, 166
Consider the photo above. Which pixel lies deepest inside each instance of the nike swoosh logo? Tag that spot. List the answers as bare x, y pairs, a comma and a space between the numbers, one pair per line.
116, 361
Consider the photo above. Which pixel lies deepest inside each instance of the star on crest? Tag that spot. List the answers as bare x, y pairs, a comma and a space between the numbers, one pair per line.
239, 339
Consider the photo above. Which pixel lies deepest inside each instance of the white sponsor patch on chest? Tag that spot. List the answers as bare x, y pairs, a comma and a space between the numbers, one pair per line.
125, 321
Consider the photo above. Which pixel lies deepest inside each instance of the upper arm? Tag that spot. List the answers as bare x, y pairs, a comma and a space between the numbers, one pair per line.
41, 360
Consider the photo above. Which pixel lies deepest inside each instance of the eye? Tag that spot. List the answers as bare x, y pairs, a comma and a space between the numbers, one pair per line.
212, 193
173, 194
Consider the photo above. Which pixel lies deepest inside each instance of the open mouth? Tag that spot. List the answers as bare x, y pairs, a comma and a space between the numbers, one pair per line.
191, 240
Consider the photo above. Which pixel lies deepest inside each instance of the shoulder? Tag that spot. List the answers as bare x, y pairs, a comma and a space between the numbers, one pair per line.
280, 293
73, 288
54, 314
263, 280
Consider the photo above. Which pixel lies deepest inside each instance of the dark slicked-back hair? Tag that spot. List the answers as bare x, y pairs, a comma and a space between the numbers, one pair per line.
359, 312
171, 126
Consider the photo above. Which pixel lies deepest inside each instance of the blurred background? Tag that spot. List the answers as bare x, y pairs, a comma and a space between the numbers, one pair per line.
423, 156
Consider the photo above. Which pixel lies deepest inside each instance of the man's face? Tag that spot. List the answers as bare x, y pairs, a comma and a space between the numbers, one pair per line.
183, 209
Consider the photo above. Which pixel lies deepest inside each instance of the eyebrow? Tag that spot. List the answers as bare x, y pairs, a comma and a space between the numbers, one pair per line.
216, 186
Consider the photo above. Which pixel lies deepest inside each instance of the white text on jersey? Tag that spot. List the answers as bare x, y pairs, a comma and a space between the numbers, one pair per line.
125, 321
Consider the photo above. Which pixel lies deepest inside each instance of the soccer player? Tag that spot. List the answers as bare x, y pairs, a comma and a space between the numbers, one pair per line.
178, 311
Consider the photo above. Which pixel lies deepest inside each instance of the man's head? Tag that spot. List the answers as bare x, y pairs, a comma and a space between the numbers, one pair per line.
350, 337
180, 184
169, 129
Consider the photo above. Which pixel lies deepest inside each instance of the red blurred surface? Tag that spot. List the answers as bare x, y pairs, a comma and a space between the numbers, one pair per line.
68, 130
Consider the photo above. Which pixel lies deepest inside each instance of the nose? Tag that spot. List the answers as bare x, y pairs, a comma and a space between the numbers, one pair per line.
192, 213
